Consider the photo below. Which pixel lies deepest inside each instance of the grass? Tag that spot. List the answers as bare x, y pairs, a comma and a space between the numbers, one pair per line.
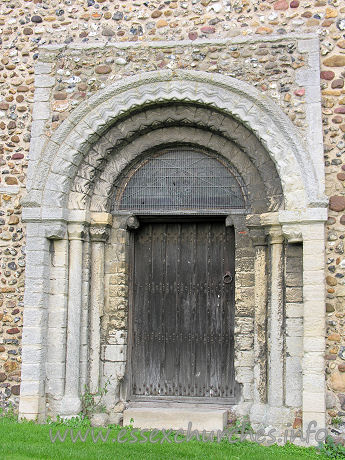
29, 440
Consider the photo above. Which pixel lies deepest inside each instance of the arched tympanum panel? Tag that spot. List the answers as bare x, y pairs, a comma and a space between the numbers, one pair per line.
180, 180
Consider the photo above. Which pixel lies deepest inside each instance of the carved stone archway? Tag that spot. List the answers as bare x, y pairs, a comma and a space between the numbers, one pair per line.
68, 192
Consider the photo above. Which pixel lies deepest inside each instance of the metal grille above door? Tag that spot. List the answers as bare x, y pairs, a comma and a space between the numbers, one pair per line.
179, 180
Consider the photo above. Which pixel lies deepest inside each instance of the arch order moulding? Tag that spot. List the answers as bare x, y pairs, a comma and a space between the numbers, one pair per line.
54, 167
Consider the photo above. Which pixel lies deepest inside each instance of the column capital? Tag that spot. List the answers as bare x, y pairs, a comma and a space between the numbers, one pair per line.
76, 231
293, 233
55, 230
275, 234
99, 233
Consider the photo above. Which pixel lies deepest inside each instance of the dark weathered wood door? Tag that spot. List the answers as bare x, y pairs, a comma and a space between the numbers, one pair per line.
182, 311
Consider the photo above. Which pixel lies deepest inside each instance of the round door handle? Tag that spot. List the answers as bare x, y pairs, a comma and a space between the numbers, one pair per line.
227, 278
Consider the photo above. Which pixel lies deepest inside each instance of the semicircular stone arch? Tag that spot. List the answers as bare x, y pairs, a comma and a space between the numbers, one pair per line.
199, 125
103, 191
75, 137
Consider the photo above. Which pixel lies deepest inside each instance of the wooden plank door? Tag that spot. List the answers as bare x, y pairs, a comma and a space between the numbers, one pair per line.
183, 311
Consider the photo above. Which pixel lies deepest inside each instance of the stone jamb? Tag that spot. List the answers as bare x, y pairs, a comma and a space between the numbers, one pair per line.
311, 231
244, 320
99, 233
259, 240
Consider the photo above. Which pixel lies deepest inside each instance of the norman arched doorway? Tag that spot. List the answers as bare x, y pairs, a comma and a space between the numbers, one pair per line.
85, 207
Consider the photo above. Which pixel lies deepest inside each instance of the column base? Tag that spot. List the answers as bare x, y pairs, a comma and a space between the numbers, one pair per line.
258, 414
69, 406
265, 416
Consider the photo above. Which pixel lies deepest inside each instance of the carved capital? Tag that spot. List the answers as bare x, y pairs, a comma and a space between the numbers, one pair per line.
132, 223
76, 232
293, 233
99, 233
275, 234
258, 236
56, 231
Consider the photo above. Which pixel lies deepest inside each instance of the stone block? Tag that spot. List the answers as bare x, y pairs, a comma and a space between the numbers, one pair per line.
114, 370
294, 310
293, 380
55, 387
313, 402
314, 344
244, 374
313, 416
293, 280
31, 371
294, 327
35, 316
313, 383
114, 352
244, 358
314, 363
245, 264
118, 338
171, 418
314, 326
293, 265
294, 346
29, 407
44, 81
31, 387
32, 335
30, 353
294, 294
244, 325
244, 342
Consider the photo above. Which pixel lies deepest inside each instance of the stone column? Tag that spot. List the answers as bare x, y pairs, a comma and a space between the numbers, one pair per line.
258, 237
71, 404
57, 322
98, 234
314, 408
84, 334
275, 340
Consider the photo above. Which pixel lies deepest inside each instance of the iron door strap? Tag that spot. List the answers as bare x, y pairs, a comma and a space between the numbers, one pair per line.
227, 278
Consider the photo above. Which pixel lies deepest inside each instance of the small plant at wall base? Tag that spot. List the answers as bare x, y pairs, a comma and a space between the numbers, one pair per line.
9, 413
336, 421
332, 450
92, 403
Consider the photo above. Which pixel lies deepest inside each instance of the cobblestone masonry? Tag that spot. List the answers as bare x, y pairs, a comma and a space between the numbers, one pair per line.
269, 66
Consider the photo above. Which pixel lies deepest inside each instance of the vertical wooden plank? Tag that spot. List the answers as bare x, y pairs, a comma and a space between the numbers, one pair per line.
201, 286
156, 306
142, 294
186, 278
228, 305
171, 328
178, 313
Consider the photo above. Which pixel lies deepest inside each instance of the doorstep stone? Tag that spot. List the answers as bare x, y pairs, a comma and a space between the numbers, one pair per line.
175, 418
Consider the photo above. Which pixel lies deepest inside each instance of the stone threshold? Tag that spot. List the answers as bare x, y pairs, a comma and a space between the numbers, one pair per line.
176, 418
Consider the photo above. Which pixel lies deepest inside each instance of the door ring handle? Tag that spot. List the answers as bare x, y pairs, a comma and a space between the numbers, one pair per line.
227, 278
